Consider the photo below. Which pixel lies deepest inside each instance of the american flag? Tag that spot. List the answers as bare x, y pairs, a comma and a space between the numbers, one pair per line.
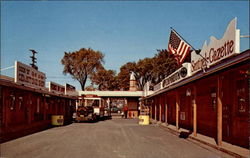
178, 47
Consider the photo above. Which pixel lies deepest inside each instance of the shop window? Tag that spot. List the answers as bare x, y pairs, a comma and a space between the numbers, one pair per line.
213, 99
20, 103
38, 114
38, 105
241, 97
12, 100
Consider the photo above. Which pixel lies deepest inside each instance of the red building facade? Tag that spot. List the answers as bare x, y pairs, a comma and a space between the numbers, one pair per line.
212, 97
26, 110
214, 103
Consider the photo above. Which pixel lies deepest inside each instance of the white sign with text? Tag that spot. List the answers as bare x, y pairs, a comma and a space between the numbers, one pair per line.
29, 76
56, 88
217, 50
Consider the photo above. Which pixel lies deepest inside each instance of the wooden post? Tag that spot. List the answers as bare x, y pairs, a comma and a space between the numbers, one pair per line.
151, 110
177, 111
4, 106
155, 113
44, 107
160, 113
166, 113
194, 112
219, 112
30, 107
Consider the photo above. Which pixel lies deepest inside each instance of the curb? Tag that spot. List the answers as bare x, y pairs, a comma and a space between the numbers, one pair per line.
197, 140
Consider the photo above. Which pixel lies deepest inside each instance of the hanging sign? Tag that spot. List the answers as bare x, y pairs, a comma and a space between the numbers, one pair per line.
178, 75
29, 76
69, 89
217, 50
56, 88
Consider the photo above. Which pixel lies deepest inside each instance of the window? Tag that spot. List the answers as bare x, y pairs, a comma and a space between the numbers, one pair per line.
241, 97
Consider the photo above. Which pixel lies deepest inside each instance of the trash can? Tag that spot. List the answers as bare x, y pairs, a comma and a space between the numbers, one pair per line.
57, 120
143, 120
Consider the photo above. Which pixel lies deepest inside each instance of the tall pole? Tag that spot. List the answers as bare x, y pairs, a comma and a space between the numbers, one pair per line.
33, 59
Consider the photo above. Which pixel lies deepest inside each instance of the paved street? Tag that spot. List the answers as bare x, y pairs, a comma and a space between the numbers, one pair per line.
116, 138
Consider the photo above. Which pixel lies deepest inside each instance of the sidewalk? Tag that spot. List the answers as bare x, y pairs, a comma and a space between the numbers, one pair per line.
233, 150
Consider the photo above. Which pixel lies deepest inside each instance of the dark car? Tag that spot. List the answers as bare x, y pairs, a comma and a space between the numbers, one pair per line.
114, 109
85, 113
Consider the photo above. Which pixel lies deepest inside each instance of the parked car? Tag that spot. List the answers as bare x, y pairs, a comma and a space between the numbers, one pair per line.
85, 113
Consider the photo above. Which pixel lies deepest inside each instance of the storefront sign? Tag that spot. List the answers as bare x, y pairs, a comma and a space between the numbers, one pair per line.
69, 89
56, 88
158, 86
217, 50
29, 76
178, 75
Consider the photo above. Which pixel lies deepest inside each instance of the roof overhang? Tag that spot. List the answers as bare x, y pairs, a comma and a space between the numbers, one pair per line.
113, 93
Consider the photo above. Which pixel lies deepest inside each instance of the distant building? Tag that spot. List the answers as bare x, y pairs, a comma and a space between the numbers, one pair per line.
132, 82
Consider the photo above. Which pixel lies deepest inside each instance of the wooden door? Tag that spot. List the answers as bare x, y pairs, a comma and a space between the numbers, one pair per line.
171, 103
227, 102
186, 114
240, 108
207, 106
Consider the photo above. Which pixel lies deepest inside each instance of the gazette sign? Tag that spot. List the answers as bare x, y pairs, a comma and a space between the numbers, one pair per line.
217, 50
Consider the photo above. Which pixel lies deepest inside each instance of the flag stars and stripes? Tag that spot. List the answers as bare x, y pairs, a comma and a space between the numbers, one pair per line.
178, 47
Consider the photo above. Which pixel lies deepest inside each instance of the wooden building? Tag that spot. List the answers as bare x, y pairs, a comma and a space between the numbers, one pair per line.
26, 110
27, 106
213, 99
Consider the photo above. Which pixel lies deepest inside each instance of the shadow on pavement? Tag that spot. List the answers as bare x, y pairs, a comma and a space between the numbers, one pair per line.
184, 135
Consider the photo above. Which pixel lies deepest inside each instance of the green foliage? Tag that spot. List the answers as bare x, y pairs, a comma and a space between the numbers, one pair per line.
124, 75
81, 64
87, 63
151, 70
163, 65
105, 79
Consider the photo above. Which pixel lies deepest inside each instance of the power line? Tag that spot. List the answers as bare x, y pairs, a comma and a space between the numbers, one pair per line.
246, 36
10, 67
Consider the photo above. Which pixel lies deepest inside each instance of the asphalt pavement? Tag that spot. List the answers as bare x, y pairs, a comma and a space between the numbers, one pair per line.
115, 138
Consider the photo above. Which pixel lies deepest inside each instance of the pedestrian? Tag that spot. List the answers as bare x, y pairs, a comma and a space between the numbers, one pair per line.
125, 111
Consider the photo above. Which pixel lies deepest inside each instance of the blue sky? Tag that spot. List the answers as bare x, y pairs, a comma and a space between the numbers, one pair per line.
123, 31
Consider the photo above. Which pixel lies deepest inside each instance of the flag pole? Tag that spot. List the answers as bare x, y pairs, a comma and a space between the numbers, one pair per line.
182, 38
196, 51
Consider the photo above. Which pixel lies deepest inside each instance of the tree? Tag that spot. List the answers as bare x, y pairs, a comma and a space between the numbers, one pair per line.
90, 88
151, 70
124, 75
164, 64
144, 71
105, 79
81, 64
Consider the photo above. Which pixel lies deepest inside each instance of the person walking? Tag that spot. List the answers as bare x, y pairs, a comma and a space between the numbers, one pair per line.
125, 111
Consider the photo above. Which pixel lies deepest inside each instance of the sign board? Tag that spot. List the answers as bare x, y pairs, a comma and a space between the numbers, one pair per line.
180, 74
56, 88
217, 50
29, 76
69, 89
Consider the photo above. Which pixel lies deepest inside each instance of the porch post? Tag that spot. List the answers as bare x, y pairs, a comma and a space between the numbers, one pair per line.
166, 113
155, 113
194, 112
177, 111
151, 110
160, 113
219, 112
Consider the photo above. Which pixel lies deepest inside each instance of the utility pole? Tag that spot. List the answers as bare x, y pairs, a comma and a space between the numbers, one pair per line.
33, 59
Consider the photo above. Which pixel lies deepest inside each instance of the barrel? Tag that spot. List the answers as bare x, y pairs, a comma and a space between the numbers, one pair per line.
143, 120
57, 120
